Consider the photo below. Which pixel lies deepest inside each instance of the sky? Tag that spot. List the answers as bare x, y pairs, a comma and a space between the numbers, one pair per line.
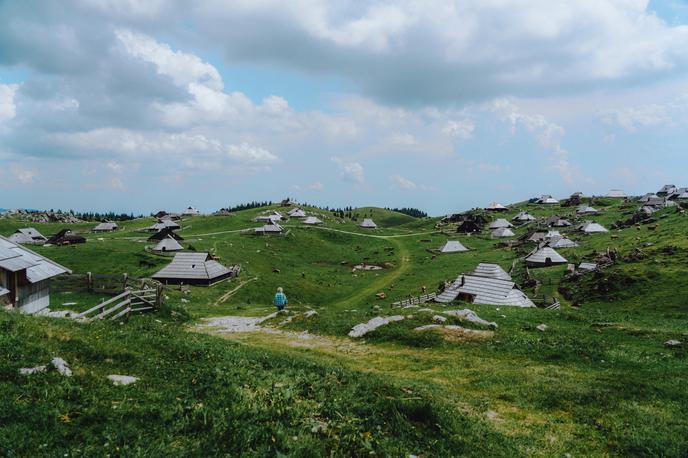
137, 106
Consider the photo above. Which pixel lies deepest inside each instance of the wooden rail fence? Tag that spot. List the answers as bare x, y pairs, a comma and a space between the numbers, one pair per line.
98, 283
123, 304
417, 300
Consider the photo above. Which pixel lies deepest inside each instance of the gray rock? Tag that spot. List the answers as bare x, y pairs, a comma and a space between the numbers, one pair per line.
470, 315
310, 313
32, 370
542, 327
364, 328
61, 366
672, 343
439, 319
122, 380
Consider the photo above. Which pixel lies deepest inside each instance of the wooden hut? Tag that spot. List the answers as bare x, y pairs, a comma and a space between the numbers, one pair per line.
28, 236
193, 269
25, 277
66, 237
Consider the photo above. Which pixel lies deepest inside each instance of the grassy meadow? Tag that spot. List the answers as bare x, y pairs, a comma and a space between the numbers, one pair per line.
597, 382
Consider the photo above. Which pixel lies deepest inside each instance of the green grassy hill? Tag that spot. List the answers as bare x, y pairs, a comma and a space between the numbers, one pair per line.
597, 382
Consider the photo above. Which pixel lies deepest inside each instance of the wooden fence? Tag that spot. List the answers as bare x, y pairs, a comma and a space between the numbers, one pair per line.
120, 306
417, 300
98, 283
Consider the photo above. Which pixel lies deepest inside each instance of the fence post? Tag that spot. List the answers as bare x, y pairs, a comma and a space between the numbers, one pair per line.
158, 295
89, 282
126, 277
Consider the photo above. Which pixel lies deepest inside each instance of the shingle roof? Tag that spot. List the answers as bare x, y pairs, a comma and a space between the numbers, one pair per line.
106, 226
168, 244
164, 223
27, 235
192, 266
547, 199
453, 246
312, 220
523, 216
368, 223
164, 233
14, 257
586, 210
541, 256
491, 271
616, 193
496, 206
269, 229
503, 232
560, 241
591, 227
485, 290
537, 237
297, 213
499, 223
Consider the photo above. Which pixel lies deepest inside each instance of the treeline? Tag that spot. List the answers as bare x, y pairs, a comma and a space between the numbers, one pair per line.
97, 216
247, 206
409, 211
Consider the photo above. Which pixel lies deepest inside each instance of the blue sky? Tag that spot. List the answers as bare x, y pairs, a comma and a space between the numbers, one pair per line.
443, 105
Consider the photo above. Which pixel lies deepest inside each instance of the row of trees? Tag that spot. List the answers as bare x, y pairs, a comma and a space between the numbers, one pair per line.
248, 206
409, 211
93, 216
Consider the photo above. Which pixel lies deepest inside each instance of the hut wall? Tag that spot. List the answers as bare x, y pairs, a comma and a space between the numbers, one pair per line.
34, 297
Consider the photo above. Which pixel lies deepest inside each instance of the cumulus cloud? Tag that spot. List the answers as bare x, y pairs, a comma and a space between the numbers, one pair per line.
195, 151
404, 183
450, 51
7, 106
547, 133
22, 174
185, 69
634, 118
462, 129
350, 171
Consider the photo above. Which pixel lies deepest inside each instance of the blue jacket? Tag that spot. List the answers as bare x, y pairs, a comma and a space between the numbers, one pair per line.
280, 299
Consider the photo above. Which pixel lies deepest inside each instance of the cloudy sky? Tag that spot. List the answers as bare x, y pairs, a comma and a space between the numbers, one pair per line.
132, 105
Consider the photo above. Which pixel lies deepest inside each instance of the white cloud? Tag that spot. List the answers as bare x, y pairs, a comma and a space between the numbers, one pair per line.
22, 174
350, 171
459, 129
115, 167
634, 118
248, 154
474, 49
194, 150
317, 186
404, 183
184, 69
116, 183
547, 133
8, 108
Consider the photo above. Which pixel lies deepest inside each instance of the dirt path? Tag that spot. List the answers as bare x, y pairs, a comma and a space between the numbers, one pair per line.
229, 294
381, 283
384, 237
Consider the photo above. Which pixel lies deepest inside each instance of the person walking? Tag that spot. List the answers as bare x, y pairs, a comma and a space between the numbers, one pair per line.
280, 300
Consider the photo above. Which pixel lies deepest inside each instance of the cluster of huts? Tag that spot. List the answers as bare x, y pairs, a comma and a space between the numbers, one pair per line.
273, 219
25, 275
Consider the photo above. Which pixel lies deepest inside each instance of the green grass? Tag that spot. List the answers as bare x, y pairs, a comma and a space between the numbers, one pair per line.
598, 382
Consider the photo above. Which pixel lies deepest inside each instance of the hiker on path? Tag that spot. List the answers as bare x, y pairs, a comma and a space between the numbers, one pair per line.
280, 300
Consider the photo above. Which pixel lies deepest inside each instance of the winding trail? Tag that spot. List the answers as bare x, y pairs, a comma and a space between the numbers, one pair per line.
231, 293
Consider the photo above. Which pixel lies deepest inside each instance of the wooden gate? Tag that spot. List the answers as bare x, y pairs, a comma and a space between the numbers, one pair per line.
123, 304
